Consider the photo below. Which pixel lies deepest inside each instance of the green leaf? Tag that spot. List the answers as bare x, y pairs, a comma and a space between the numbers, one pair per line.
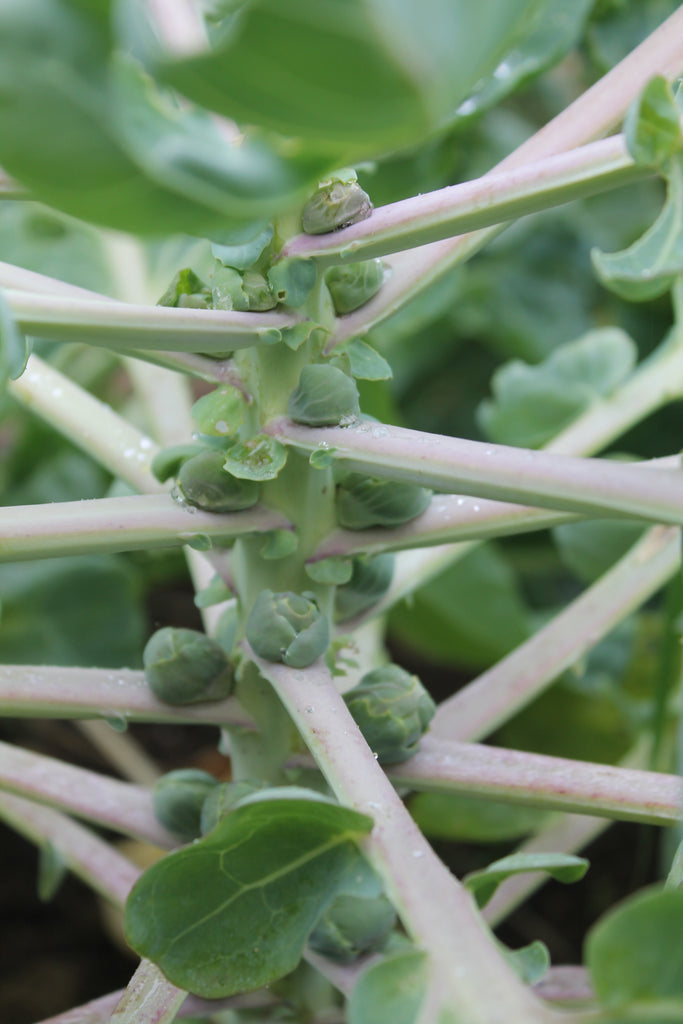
635, 952
652, 125
322, 458
530, 962
563, 867
532, 403
589, 549
391, 990
279, 544
366, 363
650, 266
454, 816
219, 413
52, 869
259, 458
242, 246
292, 281
14, 348
330, 570
294, 337
215, 592
232, 912
360, 77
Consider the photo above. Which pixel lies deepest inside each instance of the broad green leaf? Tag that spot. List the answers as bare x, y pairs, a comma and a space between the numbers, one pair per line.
366, 363
454, 816
532, 403
14, 348
391, 990
114, 149
259, 458
292, 281
219, 413
635, 952
359, 78
242, 246
556, 28
652, 126
650, 266
232, 912
330, 570
529, 962
591, 548
563, 867
472, 614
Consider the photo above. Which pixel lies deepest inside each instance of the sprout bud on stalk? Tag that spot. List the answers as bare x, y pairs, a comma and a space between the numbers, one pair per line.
184, 666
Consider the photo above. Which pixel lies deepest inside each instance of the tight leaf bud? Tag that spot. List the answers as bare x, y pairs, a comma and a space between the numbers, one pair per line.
351, 285
370, 580
288, 627
203, 482
393, 710
351, 926
336, 205
364, 501
178, 798
184, 666
323, 397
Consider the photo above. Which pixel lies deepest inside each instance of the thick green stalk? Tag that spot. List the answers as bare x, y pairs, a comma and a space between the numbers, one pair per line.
149, 998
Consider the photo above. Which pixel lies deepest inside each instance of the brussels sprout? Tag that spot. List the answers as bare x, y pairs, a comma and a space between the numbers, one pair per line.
336, 205
351, 926
393, 710
221, 799
288, 627
323, 397
184, 666
364, 501
203, 482
353, 284
370, 580
178, 799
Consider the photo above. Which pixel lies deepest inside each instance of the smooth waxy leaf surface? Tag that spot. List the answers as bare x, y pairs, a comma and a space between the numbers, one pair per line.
233, 911
391, 990
532, 403
635, 952
563, 867
358, 78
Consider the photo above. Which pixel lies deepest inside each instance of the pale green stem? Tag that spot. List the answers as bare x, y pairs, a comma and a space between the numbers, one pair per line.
563, 482
92, 425
467, 974
107, 802
130, 523
123, 751
590, 116
126, 327
495, 198
150, 998
97, 863
512, 683
49, 691
98, 1011
537, 780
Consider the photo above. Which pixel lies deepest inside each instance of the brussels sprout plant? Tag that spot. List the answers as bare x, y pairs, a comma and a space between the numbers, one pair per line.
419, 499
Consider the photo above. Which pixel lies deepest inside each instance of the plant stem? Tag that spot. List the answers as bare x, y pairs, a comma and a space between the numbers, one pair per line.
497, 197
98, 798
450, 464
148, 999
48, 691
135, 522
125, 327
98, 1011
436, 910
96, 862
497, 694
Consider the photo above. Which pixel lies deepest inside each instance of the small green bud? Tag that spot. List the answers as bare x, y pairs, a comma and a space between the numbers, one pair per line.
288, 627
370, 580
336, 205
203, 482
364, 501
221, 799
393, 710
178, 798
323, 397
227, 292
187, 290
352, 926
184, 666
167, 462
351, 285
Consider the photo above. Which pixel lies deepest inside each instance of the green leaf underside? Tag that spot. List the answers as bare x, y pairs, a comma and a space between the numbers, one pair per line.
650, 266
359, 77
635, 952
233, 911
532, 403
563, 867
391, 990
